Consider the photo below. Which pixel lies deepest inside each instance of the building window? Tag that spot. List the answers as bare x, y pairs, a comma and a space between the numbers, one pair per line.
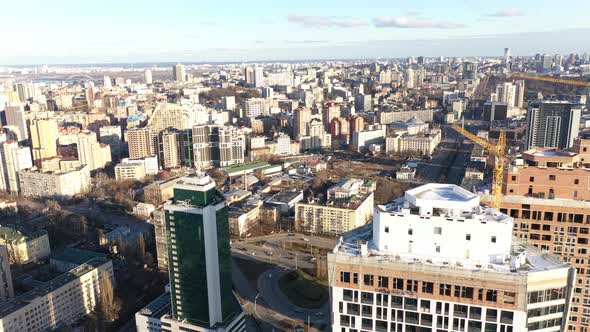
438, 230
491, 295
552, 177
576, 181
410, 231
437, 248
493, 239
513, 178
386, 229
355, 278
468, 237
427, 287
383, 282
532, 179
368, 279
344, 276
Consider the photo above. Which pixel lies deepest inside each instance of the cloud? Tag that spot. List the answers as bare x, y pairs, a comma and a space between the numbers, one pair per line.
507, 13
324, 21
414, 23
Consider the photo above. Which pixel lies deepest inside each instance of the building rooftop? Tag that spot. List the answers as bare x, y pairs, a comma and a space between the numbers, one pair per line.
77, 256
246, 167
11, 234
158, 307
359, 243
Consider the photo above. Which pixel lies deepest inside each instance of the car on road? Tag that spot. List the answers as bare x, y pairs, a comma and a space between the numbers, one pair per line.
242, 249
268, 253
290, 234
319, 313
299, 311
305, 239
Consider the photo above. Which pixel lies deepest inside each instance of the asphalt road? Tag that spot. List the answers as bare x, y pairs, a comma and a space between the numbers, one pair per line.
268, 286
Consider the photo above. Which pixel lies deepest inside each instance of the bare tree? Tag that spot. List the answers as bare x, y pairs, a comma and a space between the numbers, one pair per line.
108, 305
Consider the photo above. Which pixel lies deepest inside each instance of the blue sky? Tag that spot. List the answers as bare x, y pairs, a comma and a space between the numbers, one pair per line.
66, 31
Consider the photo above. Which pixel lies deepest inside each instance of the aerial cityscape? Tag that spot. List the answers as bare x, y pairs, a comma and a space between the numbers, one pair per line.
334, 166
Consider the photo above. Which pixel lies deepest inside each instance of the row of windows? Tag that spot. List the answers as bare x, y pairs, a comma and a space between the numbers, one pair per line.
490, 295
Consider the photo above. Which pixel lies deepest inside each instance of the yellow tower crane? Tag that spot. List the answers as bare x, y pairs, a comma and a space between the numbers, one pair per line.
498, 150
549, 79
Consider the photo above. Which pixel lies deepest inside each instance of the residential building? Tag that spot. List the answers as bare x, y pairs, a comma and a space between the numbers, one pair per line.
54, 184
218, 145
142, 142
255, 107
136, 169
178, 73
317, 137
160, 191
361, 140
6, 285
387, 117
24, 248
58, 302
159, 222
169, 149
336, 216
43, 138
13, 159
436, 259
301, 119
91, 152
552, 124
16, 118
113, 137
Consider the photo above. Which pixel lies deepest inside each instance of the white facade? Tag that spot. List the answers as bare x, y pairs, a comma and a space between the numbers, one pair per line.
35, 183
63, 300
435, 260
421, 226
362, 139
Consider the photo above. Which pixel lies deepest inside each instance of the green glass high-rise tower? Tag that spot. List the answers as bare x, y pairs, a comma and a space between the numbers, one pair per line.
199, 258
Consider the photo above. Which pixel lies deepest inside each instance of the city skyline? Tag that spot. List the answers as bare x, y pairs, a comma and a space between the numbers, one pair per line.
189, 33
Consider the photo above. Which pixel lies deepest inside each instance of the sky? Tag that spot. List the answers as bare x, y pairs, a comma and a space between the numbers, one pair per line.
113, 31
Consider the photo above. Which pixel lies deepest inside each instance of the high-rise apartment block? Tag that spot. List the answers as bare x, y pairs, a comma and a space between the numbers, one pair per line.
178, 73
301, 119
552, 124
437, 260
91, 152
44, 135
142, 142
218, 145
547, 195
13, 159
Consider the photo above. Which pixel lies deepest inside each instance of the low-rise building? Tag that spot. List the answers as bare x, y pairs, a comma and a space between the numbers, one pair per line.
160, 191
61, 301
25, 247
136, 169
335, 216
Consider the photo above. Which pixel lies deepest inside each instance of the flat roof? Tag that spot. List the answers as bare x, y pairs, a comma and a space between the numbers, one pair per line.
441, 194
246, 166
350, 243
77, 256
158, 307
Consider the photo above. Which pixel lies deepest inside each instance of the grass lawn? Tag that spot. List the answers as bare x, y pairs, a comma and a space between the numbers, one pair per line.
303, 290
